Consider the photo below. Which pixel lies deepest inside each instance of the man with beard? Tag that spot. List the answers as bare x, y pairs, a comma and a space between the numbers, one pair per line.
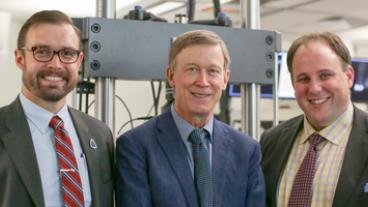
51, 154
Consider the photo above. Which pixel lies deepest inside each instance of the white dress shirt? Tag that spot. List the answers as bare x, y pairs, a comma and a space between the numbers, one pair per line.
44, 144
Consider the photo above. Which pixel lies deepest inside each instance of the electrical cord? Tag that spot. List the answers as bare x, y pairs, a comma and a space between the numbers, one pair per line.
127, 109
156, 99
125, 106
90, 104
132, 120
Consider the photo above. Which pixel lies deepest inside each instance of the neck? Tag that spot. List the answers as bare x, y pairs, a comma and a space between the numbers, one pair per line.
50, 106
198, 122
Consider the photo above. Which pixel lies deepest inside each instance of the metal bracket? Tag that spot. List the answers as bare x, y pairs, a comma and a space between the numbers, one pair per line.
130, 49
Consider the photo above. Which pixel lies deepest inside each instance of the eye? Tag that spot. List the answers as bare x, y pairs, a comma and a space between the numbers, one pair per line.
302, 79
42, 51
192, 69
214, 71
68, 53
325, 76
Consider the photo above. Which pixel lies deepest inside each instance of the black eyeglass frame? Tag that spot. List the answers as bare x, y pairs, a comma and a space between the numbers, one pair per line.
34, 48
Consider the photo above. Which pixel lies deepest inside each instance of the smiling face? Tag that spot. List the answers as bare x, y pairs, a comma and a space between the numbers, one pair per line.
48, 82
198, 79
321, 83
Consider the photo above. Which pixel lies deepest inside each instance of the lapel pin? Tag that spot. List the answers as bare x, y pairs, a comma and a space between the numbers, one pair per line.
92, 143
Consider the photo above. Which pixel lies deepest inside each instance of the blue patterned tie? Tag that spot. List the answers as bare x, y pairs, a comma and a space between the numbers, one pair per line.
202, 169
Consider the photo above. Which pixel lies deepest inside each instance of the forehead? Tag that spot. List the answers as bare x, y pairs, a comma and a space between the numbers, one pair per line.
200, 51
315, 51
53, 35
314, 56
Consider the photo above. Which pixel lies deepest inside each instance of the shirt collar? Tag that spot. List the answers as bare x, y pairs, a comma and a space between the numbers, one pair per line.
330, 133
185, 128
39, 116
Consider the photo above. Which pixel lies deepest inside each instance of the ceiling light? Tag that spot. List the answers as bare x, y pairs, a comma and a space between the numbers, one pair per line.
121, 4
164, 7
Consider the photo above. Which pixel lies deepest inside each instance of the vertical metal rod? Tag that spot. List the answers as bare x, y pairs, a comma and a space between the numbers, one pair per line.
250, 92
74, 98
276, 93
105, 87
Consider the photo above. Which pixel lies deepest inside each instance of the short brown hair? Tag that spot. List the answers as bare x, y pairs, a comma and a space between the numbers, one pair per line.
334, 42
46, 17
197, 37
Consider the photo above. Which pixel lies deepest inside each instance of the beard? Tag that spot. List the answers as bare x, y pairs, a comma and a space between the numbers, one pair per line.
49, 93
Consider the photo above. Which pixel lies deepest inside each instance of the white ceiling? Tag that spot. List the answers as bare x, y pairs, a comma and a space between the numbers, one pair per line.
348, 18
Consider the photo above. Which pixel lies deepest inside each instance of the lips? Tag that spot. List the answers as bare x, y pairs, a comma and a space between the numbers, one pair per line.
53, 78
318, 101
201, 95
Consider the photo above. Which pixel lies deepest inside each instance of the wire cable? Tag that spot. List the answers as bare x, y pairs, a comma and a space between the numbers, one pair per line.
132, 120
156, 99
127, 109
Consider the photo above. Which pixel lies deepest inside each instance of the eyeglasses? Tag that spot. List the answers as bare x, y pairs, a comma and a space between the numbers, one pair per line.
45, 54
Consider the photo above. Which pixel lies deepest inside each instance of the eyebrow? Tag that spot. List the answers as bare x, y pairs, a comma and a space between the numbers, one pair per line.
49, 47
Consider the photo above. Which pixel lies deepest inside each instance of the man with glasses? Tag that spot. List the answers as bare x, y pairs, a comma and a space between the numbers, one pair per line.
51, 154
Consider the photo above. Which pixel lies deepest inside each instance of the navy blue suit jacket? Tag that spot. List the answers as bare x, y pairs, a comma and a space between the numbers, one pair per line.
153, 168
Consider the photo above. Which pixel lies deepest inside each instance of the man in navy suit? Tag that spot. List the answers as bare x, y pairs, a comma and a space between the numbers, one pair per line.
156, 163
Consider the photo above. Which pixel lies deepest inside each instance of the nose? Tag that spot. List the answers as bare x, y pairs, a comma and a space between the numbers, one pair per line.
202, 78
315, 86
55, 61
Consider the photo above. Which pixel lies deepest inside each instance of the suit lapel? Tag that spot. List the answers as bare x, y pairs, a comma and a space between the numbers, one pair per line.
18, 142
276, 160
355, 161
91, 155
170, 141
220, 150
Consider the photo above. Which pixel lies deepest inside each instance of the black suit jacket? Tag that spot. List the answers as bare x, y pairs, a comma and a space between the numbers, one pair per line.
276, 146
20, 182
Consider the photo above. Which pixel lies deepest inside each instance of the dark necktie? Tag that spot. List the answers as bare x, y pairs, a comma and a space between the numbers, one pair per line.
71, 184
301, 192
202, 169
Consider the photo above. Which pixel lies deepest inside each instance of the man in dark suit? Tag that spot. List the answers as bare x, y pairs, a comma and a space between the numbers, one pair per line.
322, 75
160, 163
70, 164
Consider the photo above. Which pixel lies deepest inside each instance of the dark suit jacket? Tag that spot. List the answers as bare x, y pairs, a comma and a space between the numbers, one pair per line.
153, 168
276, 146
20, 182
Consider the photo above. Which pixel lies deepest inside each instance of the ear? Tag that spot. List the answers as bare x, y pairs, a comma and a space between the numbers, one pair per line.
226, 78
350, 75
80, 59
19, 58
170, 76
292, 81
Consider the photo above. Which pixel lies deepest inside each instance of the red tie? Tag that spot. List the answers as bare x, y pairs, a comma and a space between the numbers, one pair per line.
71, 184
301, 193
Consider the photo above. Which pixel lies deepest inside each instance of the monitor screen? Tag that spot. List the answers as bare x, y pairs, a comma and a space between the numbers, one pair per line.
266, 90
286, 90
359, 91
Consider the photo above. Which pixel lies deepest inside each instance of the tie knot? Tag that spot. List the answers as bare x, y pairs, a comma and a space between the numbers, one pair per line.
315, 139
197, 136
56, 122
